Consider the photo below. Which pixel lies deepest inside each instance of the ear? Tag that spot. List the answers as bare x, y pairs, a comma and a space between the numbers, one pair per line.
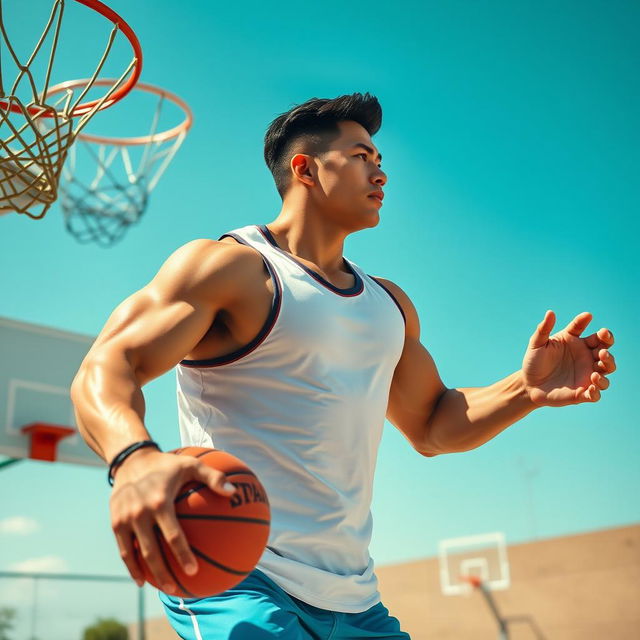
303, 166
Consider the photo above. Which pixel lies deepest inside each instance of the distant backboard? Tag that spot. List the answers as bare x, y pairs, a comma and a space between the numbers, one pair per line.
37, 366
482, 557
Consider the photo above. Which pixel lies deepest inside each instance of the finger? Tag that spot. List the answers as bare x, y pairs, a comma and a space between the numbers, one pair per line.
127, 553
174, 536
541, 335
215, 480
579, 323
606, 363
602, 338
151, 553
600, 381
590, 394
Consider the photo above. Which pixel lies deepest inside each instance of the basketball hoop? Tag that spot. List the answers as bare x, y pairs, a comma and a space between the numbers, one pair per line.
101, 208
474, 581
35, 135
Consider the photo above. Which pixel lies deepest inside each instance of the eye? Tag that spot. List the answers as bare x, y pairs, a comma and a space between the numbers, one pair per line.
363, 156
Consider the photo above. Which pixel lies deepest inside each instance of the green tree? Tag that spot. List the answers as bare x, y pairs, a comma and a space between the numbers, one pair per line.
6, 622
106, 629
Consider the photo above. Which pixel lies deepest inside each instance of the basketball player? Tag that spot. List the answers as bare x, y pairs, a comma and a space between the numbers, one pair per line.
289, 356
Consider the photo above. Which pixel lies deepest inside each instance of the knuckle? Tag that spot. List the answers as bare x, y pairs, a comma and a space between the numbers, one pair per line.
117, 525
147, 553
136, 513
156, 502
173, 538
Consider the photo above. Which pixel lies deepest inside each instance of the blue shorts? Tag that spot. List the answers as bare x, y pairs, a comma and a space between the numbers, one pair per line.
258, 609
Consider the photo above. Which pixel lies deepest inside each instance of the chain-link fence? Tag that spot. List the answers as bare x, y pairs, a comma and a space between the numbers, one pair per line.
49, 606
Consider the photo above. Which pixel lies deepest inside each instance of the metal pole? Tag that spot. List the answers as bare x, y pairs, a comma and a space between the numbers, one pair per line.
34, 609
528, 474
502, 624
141, 631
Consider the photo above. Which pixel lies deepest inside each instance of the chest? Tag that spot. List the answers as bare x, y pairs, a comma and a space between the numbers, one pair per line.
359, 330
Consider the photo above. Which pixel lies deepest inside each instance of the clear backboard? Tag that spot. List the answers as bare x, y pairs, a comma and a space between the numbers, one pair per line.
37, 366
481, 557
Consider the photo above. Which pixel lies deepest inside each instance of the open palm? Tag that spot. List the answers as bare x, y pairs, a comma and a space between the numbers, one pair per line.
565, 368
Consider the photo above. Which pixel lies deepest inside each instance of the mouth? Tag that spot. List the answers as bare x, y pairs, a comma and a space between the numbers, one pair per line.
377, 195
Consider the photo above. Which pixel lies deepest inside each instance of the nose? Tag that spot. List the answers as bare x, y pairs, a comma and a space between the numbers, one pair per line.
379, 178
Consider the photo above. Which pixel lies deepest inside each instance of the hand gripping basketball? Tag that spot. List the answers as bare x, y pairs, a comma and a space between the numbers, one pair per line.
227, 534
172, 511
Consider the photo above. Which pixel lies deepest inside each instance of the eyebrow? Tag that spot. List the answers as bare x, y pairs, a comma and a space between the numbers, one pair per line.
368, 149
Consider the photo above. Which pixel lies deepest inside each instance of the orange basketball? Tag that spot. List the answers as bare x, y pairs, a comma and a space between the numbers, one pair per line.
227, 535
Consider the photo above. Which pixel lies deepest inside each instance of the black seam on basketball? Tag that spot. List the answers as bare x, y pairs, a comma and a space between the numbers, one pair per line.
201, 485
186, 494
206, 516
158, 534
244, 472
206, 558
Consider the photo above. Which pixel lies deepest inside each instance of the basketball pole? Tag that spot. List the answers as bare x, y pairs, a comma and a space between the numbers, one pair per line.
502, 622
141, 625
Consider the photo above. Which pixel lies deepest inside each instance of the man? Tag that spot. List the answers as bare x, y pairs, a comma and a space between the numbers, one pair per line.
289, 356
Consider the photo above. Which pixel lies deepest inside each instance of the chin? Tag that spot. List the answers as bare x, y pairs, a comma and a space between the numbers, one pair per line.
366, 221
374, 218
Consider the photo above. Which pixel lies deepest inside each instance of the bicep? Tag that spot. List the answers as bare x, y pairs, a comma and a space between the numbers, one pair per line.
415, 390
156, 326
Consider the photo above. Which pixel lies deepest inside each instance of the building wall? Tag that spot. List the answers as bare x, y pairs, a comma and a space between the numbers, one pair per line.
582, 587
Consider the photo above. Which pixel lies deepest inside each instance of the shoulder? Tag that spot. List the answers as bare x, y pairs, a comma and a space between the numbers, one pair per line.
201, 264
410, 314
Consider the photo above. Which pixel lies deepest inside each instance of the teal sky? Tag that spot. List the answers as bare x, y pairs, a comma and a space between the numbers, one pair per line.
511, 142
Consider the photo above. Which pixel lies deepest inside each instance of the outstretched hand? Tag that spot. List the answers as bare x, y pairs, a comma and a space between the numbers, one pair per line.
564, 368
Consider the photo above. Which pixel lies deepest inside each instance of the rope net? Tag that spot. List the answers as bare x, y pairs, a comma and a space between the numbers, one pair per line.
36, 132
100, 206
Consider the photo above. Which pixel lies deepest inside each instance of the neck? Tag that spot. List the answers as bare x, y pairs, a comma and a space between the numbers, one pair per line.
303, 231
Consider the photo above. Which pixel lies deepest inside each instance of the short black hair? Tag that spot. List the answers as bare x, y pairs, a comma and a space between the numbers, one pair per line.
310, 127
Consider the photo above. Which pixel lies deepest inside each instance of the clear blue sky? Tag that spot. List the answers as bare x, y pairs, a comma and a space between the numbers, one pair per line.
512, 144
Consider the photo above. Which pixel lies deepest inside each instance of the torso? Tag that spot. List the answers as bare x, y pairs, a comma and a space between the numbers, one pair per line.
238, 323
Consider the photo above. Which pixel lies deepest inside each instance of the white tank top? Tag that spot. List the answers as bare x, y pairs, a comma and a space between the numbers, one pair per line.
303, 405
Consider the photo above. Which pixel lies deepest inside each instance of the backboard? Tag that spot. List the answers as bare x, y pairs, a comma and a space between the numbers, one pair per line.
37, 366
482, 557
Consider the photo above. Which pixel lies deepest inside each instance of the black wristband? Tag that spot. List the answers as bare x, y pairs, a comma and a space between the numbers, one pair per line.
125, 453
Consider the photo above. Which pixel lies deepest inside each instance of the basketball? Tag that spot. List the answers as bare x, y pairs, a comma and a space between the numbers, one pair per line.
227, 534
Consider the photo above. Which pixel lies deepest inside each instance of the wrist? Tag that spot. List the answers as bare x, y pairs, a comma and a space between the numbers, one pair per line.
136, 449
524, 397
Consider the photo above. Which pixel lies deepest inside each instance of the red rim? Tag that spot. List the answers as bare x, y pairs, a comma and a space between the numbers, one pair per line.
118, 94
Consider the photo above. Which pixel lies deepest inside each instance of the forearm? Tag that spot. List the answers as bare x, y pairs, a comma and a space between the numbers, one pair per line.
468, 417
109, 405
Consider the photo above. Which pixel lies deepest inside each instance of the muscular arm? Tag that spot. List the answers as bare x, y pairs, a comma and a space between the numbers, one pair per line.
436, 419
148, 334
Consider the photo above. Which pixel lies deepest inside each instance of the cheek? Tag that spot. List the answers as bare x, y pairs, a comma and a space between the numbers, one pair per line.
337, 176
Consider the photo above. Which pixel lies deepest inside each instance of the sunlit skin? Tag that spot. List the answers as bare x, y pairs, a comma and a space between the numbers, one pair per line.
330, 197
211, 298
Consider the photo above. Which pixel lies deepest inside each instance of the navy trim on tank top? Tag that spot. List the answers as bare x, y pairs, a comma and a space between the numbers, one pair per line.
355, 290
266, 327
392, 297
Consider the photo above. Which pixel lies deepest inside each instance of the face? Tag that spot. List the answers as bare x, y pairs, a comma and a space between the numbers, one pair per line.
348, 182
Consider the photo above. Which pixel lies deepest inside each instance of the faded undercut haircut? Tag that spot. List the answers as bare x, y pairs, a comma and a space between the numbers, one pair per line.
311, 127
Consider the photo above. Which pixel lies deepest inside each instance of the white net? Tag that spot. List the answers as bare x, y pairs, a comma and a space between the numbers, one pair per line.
105, 185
